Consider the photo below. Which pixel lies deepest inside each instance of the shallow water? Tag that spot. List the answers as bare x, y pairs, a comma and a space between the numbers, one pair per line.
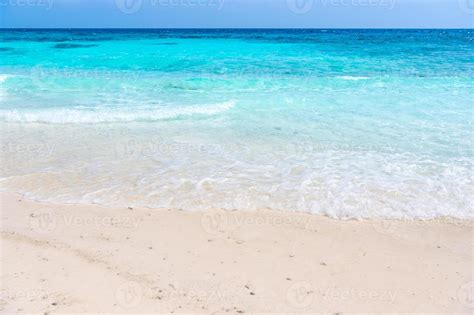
348, 123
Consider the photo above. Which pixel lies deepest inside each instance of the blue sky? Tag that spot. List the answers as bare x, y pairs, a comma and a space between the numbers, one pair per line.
238, 13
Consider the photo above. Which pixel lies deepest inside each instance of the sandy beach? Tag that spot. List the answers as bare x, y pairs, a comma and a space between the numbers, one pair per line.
87, 258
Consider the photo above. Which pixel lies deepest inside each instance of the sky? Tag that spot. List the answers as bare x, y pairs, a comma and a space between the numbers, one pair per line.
236, 13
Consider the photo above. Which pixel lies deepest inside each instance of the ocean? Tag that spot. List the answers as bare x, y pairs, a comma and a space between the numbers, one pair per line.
343, 123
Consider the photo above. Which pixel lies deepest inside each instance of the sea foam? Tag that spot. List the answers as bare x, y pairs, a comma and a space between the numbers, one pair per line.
352, 78
4, 77
66, 116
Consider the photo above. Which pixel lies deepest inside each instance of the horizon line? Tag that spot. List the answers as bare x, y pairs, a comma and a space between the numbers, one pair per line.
235, 28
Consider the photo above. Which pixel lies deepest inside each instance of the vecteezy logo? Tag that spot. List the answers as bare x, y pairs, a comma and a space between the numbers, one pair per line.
300, 6
214, 222
128, 147
467, 6
129, 294
466, 294
129, 6
43, 221
386, 227
41, 78
300, 294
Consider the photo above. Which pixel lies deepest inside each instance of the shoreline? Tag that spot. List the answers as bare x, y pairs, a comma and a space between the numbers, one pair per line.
92, 258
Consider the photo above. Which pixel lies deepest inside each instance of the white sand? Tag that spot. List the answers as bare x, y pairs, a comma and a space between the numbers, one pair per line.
87, 258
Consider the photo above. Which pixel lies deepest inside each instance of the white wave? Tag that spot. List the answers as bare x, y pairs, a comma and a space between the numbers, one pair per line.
65, 116
4, 77
329, 190
352, 78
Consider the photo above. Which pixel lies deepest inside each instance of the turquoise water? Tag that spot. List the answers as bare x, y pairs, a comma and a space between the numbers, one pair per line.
346, 123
